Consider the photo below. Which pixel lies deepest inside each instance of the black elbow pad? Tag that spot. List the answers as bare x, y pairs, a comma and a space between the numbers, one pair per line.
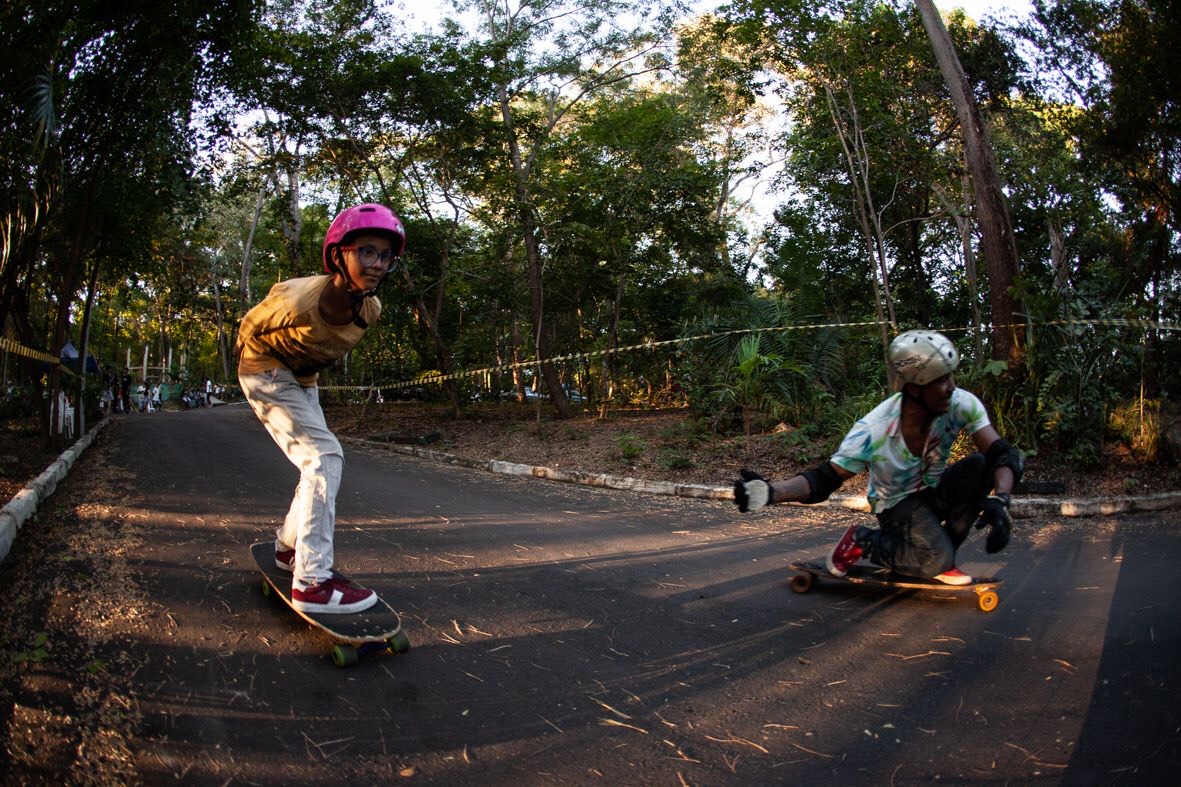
1002, 453
824, 481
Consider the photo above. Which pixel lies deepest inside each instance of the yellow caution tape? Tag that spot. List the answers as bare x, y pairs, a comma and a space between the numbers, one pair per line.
28, 352
439, 378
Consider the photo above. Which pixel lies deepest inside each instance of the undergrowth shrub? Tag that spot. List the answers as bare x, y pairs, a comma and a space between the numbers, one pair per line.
1080, 385
631, 447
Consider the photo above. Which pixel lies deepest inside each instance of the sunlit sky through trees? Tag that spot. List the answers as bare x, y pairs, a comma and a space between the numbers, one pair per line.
431, 11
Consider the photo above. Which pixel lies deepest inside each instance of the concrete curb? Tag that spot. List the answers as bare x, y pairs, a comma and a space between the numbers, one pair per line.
24, 504
1022, 507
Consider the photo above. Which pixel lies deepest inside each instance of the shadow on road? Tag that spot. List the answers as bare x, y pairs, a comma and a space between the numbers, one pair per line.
570, 635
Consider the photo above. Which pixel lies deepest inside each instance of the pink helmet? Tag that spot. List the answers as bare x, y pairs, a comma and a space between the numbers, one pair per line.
370, 217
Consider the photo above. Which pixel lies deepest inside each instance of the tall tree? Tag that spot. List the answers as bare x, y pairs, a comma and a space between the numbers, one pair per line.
548, 56
86, 65
996, 227
873, 134
632, 208
1115, 63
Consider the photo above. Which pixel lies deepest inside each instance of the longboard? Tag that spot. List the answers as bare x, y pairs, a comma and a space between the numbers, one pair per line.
983, 587
357, 634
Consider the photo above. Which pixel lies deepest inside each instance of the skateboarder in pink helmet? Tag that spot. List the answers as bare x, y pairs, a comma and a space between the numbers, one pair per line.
925, 508
300, 328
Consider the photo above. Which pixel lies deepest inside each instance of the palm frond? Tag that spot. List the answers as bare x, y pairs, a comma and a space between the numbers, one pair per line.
41, 108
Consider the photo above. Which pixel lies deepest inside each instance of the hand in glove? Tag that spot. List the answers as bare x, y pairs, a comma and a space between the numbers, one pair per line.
995, 514
752, 492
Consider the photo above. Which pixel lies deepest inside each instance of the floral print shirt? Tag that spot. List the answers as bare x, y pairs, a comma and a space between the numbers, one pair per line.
875, 442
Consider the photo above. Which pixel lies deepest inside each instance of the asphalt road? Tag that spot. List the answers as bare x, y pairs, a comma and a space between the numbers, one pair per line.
571, 636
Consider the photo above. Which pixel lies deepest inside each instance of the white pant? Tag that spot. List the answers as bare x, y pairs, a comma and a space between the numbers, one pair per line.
291, 414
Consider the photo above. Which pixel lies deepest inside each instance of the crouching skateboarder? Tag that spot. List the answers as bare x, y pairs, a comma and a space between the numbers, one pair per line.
925, 509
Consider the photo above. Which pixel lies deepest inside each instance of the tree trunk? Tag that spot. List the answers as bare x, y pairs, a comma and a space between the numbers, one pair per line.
527, 218
223, 347
608, 390
68, 284
918, 274
436, 318
426, 319
963, 225
80, 404
858, 167
996, 228
1058, 260
518, 374
245, 300
292, 222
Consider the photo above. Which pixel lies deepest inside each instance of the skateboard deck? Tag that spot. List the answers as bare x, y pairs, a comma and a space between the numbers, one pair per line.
983, 587
357, 634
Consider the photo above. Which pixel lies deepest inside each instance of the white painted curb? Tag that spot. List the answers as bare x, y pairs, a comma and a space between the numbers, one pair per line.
1022, 507
24, 504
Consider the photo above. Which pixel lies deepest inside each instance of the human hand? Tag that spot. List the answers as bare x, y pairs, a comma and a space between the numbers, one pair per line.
995, 514
751, 492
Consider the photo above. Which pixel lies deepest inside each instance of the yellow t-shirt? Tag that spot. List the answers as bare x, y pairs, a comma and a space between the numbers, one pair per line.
286, 329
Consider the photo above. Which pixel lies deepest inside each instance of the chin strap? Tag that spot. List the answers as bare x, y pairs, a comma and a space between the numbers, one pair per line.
357, 297
906, 395
356, 300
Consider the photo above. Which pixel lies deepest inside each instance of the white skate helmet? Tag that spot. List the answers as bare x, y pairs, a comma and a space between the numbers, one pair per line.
922, 356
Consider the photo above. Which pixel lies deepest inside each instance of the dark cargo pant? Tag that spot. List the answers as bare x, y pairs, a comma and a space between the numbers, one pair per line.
920, 535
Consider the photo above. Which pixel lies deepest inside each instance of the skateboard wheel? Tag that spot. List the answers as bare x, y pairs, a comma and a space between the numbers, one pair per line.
801, 583
399, 643
267, 590
987, 601
344, 655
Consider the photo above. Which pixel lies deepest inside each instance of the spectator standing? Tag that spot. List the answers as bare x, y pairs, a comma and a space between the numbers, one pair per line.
110, 396
125, 390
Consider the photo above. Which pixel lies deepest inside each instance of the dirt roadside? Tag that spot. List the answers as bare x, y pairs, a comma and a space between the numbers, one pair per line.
65, 714
668, 445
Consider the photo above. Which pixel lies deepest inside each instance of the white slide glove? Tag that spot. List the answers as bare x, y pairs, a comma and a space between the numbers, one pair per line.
751, 492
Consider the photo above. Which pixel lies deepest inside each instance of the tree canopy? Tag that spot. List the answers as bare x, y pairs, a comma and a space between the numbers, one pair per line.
575, 177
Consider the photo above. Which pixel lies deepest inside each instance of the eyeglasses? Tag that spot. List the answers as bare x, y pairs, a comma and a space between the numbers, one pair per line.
370, 256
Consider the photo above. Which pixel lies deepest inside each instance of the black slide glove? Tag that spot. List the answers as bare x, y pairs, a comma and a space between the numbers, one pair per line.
752, 492
995, 514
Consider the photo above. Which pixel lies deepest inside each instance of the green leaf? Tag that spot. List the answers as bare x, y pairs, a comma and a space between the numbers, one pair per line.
995, 368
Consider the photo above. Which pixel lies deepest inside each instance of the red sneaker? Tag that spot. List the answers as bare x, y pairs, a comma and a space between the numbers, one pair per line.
844, 554
285, 559
335, 595
953, 576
